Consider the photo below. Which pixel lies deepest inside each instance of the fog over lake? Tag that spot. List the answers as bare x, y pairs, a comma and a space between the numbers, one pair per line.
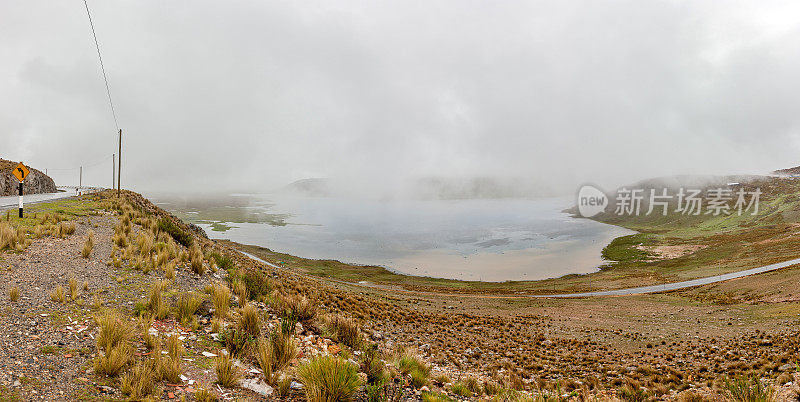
473, 239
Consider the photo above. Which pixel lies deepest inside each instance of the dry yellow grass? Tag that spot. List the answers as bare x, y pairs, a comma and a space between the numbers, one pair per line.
58, 295
73, 288
228, 374
13, 294
221, 297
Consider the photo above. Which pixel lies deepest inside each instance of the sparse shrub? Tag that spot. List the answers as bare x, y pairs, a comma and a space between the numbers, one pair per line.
328, 378
58, 295
137, 382
257, 283
188, 304
228, 374
180, 235
13, 294
749, 389
249, 321
224, 262
236, 341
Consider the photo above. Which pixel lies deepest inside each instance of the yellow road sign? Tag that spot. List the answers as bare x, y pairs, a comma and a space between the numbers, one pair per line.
21, 172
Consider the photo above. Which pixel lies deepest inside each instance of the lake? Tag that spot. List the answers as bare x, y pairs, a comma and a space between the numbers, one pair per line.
479, 239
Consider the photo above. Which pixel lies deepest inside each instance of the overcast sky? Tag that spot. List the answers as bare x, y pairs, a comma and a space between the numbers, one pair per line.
234, 95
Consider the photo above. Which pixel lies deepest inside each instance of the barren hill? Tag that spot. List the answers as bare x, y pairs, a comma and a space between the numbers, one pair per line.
36, 182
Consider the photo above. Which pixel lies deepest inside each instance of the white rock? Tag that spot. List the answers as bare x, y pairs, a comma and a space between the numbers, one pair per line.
208, 354
257, 386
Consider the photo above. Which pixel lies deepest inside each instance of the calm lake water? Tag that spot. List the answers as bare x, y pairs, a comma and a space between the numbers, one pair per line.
486, 239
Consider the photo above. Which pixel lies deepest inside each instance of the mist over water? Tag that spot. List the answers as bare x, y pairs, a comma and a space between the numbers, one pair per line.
495, 239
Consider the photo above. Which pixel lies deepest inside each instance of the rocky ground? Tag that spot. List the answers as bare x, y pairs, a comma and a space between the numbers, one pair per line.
474, 348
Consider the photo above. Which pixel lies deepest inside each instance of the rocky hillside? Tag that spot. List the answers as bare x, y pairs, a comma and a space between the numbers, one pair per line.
37, 182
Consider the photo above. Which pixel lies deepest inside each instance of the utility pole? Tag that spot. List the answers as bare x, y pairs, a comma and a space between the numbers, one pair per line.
119, 171
113, 169
80, 179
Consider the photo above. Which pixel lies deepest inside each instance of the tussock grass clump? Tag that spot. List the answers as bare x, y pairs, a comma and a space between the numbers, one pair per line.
372, 365
197, 265
188, 303
274, 354
113, 344
156, 304
73, 288
284, 349
439, 397
328, 378
632, 392
749, 389
416, 367
169, 271
13, 294
144, 243
9, 237
249, 321
204, 395
58, 295
461, 390
228, 375
88, 245
240, 290
175, 348
221, 298
138, 381
64, 229
265, 359
344, 330
120, 240
170, 370
297, 306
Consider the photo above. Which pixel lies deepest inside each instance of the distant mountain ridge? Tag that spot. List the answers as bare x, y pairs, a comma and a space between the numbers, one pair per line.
36, 182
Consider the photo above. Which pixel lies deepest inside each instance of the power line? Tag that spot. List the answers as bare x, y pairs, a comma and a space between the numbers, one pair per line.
102, 67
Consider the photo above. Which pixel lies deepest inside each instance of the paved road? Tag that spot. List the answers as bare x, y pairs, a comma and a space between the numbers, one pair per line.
12, 201
618, 292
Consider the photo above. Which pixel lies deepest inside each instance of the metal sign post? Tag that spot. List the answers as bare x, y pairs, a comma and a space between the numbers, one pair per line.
21, 172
